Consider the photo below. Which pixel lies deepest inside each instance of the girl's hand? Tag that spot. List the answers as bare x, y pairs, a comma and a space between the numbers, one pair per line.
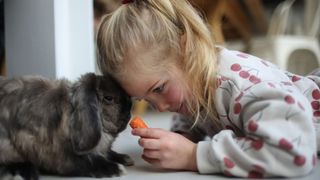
167, 149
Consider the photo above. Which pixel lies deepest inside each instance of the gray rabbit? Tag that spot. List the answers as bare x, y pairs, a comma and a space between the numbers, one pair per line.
62, 128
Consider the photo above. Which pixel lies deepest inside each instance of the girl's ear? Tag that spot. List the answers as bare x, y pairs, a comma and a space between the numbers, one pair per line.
85, 123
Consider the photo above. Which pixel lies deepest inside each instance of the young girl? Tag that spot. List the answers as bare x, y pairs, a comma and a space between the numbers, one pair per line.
262, 121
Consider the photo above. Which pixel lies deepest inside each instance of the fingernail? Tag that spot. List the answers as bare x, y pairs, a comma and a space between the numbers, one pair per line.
134, 131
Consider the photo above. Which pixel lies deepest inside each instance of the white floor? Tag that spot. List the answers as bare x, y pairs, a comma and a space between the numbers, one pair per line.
126, 143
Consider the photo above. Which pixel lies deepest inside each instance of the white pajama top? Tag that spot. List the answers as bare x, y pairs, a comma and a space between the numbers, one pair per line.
269, 117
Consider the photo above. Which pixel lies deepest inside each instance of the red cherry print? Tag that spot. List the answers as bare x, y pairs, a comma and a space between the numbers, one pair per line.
301, 106
295, 78
315, 105
255, 174
316, 94
289, 99
237, 108
254, 79
244, 74
228, 163
257, 144
316, 113
253, 126
239, 97
236, 67
285, 144
299, 160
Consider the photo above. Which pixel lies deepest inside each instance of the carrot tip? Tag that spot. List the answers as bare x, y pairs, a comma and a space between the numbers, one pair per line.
137, 122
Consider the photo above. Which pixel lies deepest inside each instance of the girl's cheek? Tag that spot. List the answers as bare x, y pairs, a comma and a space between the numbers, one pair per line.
173, 95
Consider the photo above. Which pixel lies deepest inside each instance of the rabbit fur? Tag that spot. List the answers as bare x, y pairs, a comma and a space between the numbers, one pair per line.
62, 128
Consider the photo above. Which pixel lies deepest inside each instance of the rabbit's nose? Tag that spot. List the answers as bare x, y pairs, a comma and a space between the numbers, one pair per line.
127, 105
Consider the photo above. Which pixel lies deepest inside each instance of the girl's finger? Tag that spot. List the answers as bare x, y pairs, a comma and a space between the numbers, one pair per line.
148, 143
148, 132
151, 160
151, 154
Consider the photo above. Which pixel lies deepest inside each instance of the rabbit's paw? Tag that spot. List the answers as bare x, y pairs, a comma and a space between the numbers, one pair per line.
126, 160
120, 158
122, 170
19, 171
105, 168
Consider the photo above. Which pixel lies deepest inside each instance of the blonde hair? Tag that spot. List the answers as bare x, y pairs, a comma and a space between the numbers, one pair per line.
162, 23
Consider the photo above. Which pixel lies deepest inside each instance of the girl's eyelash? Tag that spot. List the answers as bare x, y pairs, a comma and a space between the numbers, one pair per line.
159, 89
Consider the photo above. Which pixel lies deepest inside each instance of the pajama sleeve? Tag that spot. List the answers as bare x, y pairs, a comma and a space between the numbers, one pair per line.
278, 136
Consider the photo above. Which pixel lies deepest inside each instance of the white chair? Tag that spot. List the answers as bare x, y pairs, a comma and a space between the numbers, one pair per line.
298, 52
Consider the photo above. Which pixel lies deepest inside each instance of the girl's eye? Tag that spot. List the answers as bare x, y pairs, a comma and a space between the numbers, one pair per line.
159, 89
108, 99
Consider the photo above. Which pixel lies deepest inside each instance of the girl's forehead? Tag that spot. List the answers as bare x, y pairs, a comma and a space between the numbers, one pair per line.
137, 85
143, 64
143, 67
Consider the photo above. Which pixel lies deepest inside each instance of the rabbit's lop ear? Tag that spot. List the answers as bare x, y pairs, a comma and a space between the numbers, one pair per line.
85, 124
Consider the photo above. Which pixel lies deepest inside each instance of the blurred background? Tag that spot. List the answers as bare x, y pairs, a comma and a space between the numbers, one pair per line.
56, 38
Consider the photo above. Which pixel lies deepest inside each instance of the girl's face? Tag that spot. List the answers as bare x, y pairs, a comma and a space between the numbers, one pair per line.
165, 90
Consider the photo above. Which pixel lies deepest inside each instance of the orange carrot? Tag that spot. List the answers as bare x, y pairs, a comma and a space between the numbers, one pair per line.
137, 122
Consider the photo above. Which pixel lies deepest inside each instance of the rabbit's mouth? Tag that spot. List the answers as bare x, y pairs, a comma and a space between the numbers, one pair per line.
126, 120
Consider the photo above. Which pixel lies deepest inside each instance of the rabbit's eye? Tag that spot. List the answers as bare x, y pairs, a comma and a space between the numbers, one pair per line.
109, 99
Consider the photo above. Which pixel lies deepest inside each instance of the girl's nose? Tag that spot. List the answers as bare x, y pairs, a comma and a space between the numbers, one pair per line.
162, 107
159, 106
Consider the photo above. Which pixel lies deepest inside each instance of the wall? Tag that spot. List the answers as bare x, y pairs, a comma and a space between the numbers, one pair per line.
53, 38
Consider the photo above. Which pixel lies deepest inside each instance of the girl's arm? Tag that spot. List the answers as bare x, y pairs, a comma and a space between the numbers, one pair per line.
278, 139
